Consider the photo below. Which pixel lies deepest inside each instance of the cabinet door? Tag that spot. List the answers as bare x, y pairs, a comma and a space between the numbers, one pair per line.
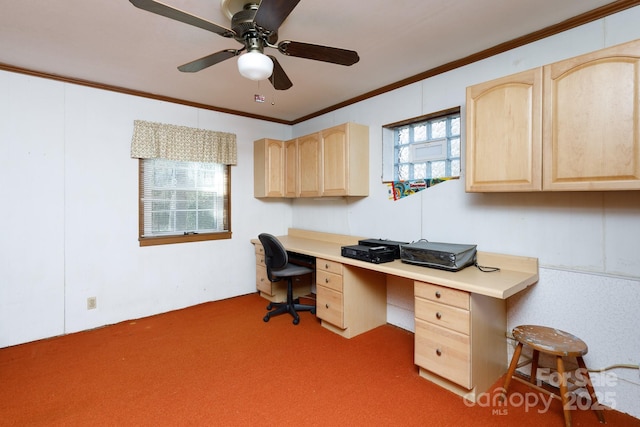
309, 169
268, 168
504, 134
345, 160
335, 161
591, 121
291, 169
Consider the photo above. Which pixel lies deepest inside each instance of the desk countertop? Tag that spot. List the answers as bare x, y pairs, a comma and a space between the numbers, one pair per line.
516, 273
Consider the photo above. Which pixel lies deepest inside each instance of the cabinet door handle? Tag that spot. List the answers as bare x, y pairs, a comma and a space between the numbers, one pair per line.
438, 315
438, 295
438, 352
326, 280
327, 305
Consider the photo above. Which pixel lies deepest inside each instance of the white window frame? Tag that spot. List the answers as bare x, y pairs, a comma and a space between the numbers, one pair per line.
389, 160
147, 236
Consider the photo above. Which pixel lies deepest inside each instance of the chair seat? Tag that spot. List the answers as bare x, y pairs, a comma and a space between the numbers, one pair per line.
550, 340
291, 270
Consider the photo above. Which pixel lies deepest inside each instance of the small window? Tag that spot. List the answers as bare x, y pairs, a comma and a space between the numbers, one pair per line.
183, 201
426, 147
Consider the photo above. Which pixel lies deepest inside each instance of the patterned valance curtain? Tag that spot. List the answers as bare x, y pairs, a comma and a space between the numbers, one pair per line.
161, 141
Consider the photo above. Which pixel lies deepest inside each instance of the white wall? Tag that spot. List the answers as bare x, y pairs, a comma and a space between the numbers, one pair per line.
70, 206
586, 243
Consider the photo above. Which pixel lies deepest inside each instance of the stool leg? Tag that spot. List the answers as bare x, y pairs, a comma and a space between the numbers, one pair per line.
594, 399
564, 392
512, 369
534, 366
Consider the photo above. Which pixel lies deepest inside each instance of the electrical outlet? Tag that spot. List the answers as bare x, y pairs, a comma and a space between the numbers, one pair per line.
92, 303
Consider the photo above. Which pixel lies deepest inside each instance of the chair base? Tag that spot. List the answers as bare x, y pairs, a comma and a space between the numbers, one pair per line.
277, 308
291, 306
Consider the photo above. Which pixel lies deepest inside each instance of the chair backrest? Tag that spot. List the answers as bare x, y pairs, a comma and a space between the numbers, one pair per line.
275, 255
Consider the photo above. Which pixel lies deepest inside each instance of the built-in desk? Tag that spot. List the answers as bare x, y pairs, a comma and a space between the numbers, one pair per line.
460, 317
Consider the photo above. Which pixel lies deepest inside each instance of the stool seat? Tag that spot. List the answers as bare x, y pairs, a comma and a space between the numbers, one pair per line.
556, 343
550, 340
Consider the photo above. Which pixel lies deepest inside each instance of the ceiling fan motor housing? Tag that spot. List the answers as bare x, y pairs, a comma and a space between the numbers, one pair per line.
247, 32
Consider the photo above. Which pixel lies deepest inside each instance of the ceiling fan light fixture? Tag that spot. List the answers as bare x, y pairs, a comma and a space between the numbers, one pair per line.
255, 65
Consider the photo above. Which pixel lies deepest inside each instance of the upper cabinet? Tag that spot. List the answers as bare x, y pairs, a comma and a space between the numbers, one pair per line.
309, 166
291, 188
591, 135
268, 168
332, 162
504, 134
345, 160
568, 126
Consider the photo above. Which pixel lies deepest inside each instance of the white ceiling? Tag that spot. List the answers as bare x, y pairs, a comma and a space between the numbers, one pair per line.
111, 42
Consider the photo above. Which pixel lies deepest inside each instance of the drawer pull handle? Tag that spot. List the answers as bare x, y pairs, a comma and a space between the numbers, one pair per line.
327, 305
438, 295
438, 352
326, 266
438, 315
326, 280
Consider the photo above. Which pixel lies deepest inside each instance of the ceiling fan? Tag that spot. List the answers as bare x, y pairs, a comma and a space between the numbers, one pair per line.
255, 26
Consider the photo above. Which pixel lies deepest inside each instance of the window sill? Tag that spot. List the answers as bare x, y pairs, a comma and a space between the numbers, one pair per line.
166, 240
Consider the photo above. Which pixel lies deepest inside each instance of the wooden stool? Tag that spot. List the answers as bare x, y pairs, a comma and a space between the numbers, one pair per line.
557, 343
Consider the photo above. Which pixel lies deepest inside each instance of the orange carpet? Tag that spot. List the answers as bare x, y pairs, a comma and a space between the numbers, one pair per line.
219, 364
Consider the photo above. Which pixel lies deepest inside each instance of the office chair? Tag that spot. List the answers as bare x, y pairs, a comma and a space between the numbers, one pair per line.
278, 268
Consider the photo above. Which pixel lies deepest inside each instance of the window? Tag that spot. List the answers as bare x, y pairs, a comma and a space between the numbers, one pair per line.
184, 182
427, 147
183, 201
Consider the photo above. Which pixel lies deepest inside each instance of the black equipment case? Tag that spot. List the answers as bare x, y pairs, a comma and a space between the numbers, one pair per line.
390, 244
445, 256
374, 254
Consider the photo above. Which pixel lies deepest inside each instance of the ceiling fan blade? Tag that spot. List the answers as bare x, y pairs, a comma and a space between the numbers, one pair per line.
318, 53
272, 13
208, 61
279, 78
165, 10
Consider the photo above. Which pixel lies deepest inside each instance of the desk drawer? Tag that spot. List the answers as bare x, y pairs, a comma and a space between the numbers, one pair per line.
330, 266
444, 352
262, 281
442, 294
260, 256
443, 315
330, 306
329, 280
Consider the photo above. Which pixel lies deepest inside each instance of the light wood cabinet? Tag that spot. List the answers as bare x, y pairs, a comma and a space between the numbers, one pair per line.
345, 160
332, 162
459, 338
504, 134
309, 166
569, 126
591, 125
268, 168
349, 301
291, 168
277, 291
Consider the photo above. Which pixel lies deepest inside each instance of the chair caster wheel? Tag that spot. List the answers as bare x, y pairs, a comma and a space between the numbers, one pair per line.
313, 311
296, 321
270, 306
266, 318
